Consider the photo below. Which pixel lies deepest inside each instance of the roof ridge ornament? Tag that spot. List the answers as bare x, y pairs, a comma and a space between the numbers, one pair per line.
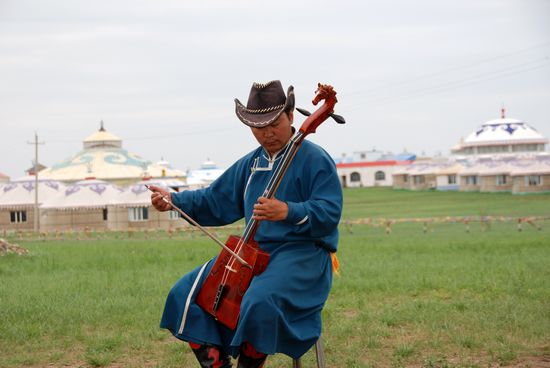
101, 128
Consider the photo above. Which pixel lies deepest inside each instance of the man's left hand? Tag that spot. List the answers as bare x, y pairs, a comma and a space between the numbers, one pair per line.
270, 210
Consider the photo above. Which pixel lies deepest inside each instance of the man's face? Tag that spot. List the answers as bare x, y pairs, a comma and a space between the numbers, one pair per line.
276, 135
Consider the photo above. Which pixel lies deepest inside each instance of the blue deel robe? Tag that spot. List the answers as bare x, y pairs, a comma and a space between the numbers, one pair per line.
281, 310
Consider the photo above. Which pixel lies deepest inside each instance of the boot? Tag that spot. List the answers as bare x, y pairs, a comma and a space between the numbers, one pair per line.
210, 356
250, 358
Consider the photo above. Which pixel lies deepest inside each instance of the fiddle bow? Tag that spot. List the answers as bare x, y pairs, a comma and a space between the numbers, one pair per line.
241, 258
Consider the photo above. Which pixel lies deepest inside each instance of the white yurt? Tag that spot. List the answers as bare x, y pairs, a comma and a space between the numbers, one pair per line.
132, 208
17, 201
206, 174
80, 206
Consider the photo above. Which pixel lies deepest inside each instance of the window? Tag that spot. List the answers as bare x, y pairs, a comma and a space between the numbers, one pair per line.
471, 180
405, 178
379, 175
418, 179
533, 180
104, 214
451, 179
525, 147
501, 179
173, 215
355, 176
492, 149
138, 214
18, 216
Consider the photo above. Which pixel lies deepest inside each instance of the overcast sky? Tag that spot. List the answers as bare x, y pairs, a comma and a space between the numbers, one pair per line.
162, 75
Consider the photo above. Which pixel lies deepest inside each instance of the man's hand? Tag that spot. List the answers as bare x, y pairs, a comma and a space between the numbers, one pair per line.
270, 210
157, 198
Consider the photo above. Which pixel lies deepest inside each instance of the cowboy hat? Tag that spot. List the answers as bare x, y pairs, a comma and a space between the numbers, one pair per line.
266, 103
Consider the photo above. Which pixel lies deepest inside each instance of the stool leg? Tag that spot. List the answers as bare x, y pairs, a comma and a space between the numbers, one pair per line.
320, 353
296, 363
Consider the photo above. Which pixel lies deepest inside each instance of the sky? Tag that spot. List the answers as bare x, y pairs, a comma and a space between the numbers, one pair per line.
411, 76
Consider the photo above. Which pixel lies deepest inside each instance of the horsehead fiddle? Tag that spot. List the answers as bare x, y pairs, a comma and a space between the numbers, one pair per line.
241, 257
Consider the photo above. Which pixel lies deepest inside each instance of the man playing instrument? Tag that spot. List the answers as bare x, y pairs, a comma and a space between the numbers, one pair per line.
281, 310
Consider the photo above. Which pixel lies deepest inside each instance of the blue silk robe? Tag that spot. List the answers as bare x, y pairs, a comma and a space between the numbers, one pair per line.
281, 310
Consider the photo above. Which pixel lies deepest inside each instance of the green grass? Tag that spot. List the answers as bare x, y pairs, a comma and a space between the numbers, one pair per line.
441, 298
385, 202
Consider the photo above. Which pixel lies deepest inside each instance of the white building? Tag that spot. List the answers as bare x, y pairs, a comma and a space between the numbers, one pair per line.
501, 155
370, 168
206, 174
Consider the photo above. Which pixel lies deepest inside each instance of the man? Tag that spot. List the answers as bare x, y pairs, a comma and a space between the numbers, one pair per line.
281, 310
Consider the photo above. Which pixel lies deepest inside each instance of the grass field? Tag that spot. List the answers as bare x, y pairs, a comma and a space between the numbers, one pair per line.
442, 297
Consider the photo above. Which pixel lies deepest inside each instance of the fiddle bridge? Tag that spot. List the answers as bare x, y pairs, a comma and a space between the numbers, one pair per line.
230, 269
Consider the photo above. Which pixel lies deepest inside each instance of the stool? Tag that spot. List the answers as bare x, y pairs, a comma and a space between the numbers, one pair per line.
319, 353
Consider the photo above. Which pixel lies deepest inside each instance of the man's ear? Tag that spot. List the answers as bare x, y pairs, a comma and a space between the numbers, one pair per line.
291, 116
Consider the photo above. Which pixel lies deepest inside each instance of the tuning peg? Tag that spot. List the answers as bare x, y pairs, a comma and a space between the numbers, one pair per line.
338, 118
303, 111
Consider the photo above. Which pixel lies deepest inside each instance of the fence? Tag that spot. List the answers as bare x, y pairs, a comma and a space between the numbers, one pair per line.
428, 223
346, 225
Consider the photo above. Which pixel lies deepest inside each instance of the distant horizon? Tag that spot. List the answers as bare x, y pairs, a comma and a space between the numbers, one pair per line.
337, 159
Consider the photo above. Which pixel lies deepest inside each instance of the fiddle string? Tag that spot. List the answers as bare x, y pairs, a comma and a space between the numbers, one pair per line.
248, 230
275, 178
286, 156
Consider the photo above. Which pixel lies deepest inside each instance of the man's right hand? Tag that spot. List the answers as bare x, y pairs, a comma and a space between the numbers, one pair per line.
157, 198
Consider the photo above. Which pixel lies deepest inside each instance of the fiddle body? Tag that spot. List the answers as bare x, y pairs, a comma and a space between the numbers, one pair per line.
222, 300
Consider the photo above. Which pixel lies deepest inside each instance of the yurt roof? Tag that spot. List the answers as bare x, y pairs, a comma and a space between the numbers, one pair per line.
496, 167
207, 173
84, 194
103, 164
473, 169
102, 136
104, 158
138, 195
20, 193
510, 166
504, 131
534, 166
160, 171
451, 168
430, 168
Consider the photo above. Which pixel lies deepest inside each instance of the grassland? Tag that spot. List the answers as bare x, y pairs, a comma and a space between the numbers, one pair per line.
435, 297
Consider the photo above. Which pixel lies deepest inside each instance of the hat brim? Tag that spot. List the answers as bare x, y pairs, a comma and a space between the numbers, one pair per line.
265, 117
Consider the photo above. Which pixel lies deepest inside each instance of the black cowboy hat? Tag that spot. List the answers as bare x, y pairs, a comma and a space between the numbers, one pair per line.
266, 103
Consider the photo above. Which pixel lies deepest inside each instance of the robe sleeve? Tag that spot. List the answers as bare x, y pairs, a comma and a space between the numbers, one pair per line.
318, 216
219, 204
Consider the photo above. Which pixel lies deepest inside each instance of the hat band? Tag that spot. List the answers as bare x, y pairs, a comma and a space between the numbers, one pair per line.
256, 124
263, 111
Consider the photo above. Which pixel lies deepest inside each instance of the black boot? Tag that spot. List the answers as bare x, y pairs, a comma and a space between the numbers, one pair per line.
210, 356
250, 358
